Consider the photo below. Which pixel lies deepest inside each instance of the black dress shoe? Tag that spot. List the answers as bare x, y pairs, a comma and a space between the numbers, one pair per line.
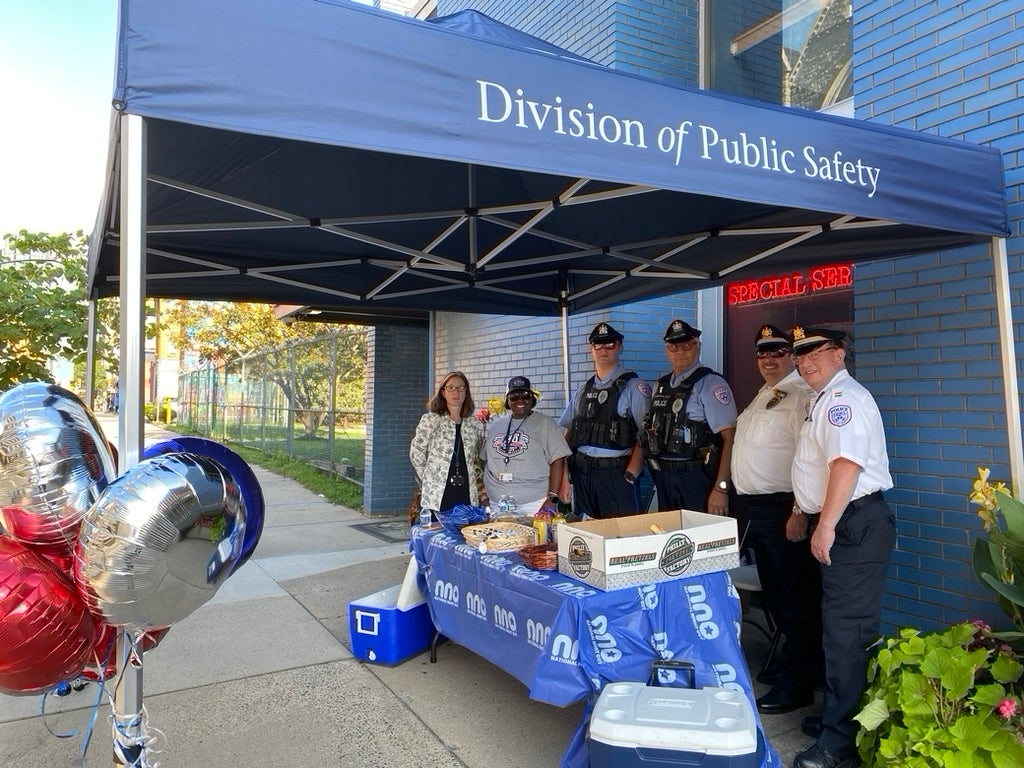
816, 757
779, 701
811, 725
769, 676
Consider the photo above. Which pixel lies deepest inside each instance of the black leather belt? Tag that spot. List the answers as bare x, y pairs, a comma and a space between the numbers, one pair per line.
863, 501
766, 498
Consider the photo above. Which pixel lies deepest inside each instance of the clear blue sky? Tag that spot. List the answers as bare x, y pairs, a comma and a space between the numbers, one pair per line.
56, 81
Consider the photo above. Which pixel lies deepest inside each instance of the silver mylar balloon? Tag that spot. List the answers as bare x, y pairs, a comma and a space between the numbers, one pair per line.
160, 541
54, 463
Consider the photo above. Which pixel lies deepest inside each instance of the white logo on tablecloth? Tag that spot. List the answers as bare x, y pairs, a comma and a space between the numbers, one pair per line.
537, 633
505, 620
648, 595
446, 592
565, 650
726, 674
476, 606
522, 572
605, 647
574, 589
701, 613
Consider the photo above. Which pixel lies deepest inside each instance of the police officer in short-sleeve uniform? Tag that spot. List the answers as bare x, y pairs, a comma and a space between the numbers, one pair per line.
840, 472
762, 463
601, 422
688, 431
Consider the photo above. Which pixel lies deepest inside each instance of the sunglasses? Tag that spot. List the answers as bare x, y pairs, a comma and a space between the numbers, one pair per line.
773, 353
604, 344
516, 397
454, 388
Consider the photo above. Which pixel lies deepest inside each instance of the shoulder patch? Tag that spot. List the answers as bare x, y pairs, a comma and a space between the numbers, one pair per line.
839, 415
644, 387
723, 395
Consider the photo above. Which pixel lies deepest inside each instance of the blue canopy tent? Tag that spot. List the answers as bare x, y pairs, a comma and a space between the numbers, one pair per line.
325, 154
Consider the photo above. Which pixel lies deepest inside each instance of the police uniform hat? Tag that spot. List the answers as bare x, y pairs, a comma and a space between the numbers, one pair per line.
680, 330
807, 339
603, 333
771, 337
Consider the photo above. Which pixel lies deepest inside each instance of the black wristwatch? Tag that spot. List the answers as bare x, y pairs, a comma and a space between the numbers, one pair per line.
629, 476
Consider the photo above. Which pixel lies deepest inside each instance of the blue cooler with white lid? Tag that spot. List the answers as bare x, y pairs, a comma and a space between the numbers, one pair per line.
637, 725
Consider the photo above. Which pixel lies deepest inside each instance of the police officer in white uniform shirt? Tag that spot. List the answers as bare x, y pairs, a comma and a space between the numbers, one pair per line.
762, 463
840, 472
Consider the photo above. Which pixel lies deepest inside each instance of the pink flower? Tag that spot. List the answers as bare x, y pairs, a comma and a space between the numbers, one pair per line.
1007, 708
483, 414
981, 624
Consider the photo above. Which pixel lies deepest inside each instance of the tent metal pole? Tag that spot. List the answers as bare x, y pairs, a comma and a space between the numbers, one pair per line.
1004, 312
90, 355
563, 304
128, 695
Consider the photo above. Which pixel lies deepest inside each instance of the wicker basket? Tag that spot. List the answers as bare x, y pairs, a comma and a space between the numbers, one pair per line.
541, 557
499, 537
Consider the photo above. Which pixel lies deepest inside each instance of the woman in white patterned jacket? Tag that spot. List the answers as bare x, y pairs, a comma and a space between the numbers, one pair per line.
445, 449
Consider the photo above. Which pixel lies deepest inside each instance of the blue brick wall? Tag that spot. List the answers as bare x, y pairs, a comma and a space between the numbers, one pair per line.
396, 362
926, 325
656, 39
491, 348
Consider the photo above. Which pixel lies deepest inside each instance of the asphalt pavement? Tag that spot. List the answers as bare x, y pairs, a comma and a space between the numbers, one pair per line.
262, 675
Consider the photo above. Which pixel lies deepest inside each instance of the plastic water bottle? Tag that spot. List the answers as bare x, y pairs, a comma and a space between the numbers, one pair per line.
503, 506
513, 505
425, 517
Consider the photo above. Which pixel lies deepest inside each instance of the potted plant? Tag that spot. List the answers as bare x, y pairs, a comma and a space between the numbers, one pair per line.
954, 698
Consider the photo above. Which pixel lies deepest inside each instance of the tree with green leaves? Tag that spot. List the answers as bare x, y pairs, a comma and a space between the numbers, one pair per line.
43, 309
295, 357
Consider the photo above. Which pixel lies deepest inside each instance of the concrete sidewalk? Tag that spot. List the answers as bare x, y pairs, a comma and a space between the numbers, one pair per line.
261, 676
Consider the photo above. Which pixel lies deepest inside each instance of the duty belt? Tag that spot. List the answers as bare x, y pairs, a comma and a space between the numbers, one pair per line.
583, 459
661, 464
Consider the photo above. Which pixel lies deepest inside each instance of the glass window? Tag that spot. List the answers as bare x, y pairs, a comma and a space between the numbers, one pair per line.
792, 52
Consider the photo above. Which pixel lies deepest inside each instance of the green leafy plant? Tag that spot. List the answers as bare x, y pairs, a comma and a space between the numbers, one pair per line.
999, 559
947, 699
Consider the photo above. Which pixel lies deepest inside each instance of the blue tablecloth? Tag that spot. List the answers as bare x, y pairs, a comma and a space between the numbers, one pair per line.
564, 639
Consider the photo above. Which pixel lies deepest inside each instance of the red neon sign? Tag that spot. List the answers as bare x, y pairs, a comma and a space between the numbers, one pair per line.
774, 287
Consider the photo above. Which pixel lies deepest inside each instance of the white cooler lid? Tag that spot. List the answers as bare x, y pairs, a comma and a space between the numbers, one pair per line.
714, 721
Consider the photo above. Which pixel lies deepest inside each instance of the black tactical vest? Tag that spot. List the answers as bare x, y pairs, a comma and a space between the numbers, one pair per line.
668, 432
597, 421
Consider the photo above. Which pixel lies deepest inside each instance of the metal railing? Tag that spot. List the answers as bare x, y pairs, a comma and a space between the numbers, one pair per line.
296, 400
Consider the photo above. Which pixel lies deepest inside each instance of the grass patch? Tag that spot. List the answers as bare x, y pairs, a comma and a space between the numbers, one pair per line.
331, 486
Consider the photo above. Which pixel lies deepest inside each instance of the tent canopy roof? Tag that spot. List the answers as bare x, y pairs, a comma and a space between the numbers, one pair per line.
322, 153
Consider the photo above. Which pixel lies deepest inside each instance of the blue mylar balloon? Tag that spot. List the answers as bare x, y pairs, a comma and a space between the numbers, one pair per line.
252, 494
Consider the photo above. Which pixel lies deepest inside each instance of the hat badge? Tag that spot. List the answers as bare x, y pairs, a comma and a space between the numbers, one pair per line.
766, 332
677, 325
798, 333
602, 329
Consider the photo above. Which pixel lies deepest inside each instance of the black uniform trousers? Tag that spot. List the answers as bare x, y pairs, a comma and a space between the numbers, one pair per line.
600, 489
852, 591
681, 485
790, 585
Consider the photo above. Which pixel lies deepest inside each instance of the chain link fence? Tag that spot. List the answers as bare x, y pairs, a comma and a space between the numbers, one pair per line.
303, 400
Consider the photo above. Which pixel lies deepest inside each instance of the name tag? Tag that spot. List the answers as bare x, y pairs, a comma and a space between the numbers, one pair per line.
505, 477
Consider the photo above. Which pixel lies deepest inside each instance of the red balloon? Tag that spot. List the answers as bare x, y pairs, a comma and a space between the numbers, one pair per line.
46, 631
